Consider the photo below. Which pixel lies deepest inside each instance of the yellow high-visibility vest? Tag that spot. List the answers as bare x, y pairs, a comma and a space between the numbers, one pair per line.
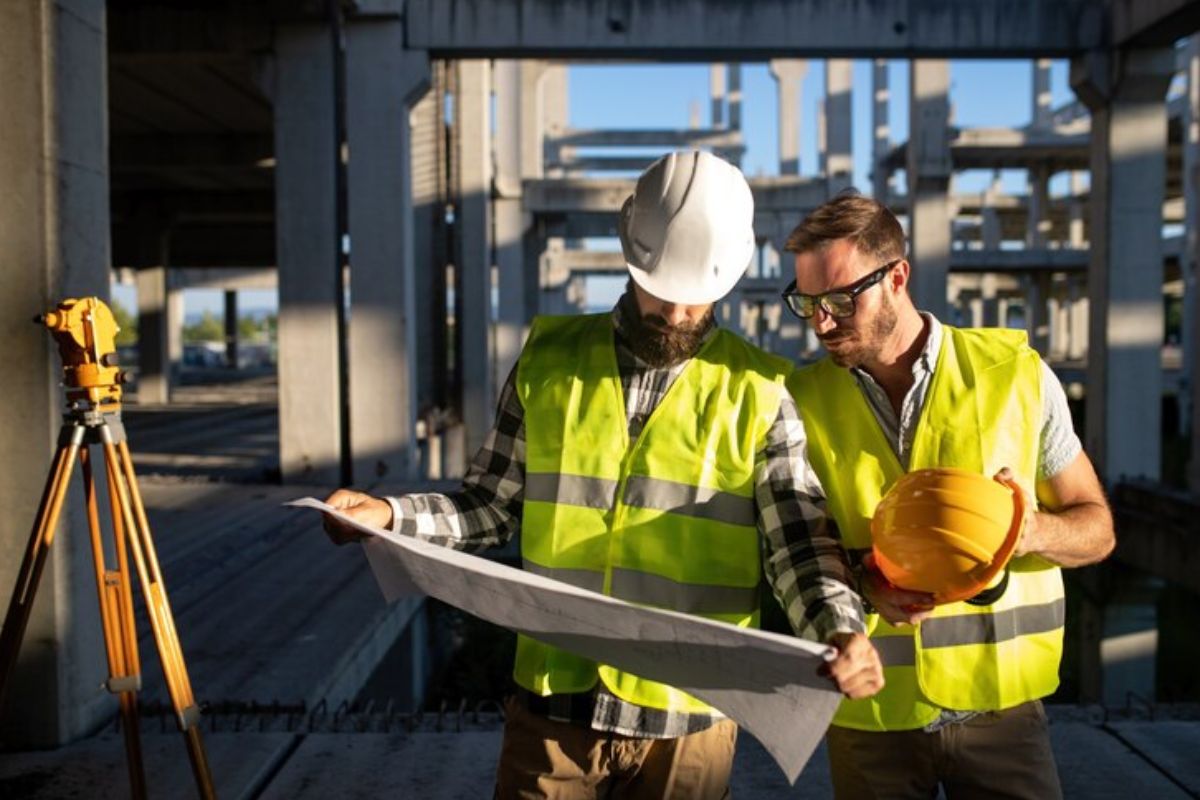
668, 520
983, 412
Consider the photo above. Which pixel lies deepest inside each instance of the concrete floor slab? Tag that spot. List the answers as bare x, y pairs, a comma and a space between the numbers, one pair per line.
1171, 745
97, 767
1095, 764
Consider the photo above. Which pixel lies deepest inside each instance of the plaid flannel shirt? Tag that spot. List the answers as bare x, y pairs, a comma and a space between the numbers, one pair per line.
803, 557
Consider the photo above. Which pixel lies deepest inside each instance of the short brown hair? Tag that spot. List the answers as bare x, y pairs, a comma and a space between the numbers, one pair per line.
868, 224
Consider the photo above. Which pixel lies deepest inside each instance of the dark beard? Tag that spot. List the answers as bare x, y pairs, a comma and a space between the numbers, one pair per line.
661, 345
880, 328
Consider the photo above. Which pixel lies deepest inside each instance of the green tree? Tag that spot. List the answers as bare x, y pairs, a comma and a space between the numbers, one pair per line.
128, 333
208, 329
250, 330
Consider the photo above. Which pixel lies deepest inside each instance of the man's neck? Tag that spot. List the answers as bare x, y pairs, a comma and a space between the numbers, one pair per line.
892, 368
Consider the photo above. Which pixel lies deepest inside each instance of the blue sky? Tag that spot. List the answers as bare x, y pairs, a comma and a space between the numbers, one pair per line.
982, 94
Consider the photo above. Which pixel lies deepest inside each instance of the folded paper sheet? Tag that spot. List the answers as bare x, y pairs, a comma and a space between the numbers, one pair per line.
766, 682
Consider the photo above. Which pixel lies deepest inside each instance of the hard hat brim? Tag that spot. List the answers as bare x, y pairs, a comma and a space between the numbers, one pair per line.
693, 293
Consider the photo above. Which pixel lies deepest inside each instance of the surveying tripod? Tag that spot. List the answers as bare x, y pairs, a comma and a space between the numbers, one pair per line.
85, 332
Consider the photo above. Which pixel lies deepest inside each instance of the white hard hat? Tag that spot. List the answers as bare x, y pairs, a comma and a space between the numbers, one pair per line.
687, 231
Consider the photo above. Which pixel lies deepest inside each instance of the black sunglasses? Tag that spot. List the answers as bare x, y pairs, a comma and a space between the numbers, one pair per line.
836, 302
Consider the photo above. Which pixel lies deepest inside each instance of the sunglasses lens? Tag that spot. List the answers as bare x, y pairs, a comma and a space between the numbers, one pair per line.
840, 304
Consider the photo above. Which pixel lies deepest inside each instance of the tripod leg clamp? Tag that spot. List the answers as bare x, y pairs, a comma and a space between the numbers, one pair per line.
125, 683
189, 717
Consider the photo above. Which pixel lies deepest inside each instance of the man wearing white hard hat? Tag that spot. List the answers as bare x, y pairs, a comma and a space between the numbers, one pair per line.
646, 454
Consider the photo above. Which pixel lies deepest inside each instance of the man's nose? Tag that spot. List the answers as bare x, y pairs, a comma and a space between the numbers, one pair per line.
822, 321
674, 314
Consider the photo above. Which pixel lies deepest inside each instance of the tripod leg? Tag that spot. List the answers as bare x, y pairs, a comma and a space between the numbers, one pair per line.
40, 540
112, 588
121, 475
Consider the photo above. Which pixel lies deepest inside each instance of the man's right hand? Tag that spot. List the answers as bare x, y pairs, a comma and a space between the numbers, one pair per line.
360, 507
897, 606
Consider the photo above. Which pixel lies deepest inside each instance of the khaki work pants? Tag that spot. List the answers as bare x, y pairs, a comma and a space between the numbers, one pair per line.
541, 758
997, 755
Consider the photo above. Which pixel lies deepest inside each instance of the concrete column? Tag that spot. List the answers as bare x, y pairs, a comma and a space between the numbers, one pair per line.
1078, 317
990, 233
1041, 111
1125, 91
1059, 318
555, 107
789, 78
54, 236
1190, 396
1037, 225
474, 152
154, 338
929, 182
231, 329
1037, 310
175, 320
1077, 234
735, 97
512, 85
839, 163
307, 251
383, 82
989, 293
881, 135
716, 94
426, 159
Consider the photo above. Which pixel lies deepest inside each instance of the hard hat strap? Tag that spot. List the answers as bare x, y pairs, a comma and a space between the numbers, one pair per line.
991, 594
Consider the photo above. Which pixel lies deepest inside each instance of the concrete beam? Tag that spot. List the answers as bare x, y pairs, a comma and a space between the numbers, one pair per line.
217, 245
1126, 92
999, 148
228, 279
759, 31
669, 138
184, 150
1148, 23
184, 207
605, 195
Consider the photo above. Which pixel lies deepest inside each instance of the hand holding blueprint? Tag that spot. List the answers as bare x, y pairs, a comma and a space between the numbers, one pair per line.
765, 682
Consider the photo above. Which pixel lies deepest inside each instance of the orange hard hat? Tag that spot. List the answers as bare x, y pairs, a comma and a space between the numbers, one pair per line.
947, 532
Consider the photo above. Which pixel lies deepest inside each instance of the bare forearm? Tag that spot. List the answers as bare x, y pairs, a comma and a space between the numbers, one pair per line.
1074, 536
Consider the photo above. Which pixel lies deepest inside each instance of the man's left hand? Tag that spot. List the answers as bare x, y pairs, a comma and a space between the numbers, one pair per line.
856, 671
1029, 537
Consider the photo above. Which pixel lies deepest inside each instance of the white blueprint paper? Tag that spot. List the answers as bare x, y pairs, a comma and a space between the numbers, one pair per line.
765, 682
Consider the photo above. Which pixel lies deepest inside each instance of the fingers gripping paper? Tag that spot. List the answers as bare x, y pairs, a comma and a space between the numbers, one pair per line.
765, 682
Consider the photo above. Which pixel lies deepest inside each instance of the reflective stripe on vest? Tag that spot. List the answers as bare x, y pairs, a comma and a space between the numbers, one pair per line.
983, 412
655, 590
667, 520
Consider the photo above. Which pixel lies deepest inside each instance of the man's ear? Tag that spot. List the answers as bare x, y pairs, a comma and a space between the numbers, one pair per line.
900, 275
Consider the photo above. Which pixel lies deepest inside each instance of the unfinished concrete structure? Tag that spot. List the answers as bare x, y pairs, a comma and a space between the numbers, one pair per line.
426, 144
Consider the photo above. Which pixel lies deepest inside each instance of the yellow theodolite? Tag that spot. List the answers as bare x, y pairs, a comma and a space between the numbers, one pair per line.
85, 332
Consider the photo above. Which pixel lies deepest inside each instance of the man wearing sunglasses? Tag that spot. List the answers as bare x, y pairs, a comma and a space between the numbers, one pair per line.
899, 391
647, 454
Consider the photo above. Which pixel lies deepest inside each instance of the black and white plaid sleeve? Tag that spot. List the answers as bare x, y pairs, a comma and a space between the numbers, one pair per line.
804, 559
486, 511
